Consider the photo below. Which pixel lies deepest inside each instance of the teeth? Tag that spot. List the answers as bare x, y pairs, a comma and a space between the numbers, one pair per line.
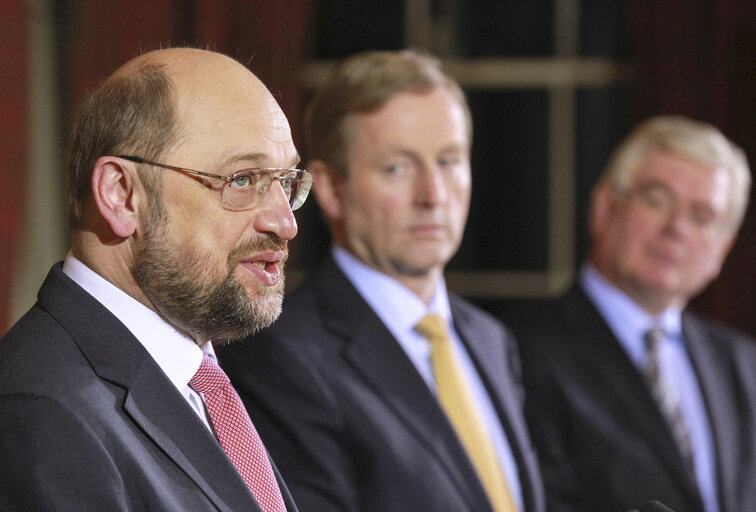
260, 264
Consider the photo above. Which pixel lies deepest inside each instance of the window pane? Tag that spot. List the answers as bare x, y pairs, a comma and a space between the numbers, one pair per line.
600, 126
508, 226
346, 27
602, 28
521, 28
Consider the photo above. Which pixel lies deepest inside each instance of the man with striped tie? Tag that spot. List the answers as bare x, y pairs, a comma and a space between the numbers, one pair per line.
630, 397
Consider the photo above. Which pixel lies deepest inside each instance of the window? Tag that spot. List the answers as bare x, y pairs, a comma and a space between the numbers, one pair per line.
547, 82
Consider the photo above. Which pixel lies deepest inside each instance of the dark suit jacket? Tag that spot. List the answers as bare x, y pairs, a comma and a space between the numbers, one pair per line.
89, 422
603, 444
350, 421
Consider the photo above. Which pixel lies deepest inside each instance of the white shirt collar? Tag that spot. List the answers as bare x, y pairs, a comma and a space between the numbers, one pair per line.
177, 355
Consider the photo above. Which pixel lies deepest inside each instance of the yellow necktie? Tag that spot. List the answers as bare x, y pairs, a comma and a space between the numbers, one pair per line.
456, 399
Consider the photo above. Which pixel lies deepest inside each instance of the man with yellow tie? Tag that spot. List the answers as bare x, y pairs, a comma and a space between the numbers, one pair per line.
378, 390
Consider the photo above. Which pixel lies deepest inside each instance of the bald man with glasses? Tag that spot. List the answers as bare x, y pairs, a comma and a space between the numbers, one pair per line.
110, 394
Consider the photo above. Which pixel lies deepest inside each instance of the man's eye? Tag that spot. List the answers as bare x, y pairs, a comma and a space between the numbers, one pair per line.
287, 181
399, 168
449, 161
654, 199
701, 217
241, 181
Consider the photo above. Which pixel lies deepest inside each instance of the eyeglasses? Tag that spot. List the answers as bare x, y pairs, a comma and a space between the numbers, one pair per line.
246, 188
658, 201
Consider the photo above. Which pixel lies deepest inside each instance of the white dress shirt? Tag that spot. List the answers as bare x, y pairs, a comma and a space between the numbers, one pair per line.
177, 355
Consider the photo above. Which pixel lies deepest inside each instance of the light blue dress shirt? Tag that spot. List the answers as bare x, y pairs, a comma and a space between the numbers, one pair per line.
400, 310
629, 322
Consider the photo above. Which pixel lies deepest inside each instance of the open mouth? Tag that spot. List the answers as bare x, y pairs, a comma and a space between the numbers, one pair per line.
265, 267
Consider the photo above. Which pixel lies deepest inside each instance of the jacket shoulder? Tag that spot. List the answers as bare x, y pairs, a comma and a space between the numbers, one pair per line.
34, 351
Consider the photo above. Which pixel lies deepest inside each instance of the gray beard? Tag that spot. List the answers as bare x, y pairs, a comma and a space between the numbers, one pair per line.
173, 278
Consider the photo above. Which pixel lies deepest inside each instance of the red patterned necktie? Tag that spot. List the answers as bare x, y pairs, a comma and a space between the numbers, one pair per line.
237, 435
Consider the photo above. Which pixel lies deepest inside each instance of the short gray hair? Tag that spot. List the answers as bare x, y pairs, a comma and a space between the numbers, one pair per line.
692, 139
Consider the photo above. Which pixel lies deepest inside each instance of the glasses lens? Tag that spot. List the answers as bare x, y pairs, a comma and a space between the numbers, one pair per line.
301, 189
248, 187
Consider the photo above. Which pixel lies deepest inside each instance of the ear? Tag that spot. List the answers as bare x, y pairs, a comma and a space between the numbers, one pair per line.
113, 187
326, 186
603, 198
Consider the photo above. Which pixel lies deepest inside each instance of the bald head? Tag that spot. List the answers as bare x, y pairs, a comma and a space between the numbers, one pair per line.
178, 60
196, 72
153, 104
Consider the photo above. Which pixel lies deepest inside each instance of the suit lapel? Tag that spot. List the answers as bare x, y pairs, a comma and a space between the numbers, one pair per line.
152, 402
164, 416
491, 361
602, 359
378, 358
714, 374
285, 493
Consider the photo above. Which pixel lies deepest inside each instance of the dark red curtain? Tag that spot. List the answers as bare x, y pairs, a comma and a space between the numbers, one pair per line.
94, 37
270, 36
694, 58
14, 49
698, 59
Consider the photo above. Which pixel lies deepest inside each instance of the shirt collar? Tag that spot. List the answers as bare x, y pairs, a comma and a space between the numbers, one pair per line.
627, 319
398, 307
177, 355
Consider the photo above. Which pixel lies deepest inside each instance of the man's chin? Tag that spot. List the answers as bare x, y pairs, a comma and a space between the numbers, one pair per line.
667, 282
264, 316
419, 267
267, 307
257, 310
269, 313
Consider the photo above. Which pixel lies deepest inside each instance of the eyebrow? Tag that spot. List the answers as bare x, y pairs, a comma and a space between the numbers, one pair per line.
394, 150
255, 159
658, 185
455, 147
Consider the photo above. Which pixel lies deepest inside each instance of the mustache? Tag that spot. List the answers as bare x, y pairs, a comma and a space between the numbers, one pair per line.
268, 243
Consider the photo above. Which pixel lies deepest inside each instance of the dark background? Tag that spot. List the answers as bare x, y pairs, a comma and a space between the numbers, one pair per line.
539, 142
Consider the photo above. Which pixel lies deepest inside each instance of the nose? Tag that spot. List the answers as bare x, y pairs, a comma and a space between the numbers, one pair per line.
274, 215
676, 221
430, 186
